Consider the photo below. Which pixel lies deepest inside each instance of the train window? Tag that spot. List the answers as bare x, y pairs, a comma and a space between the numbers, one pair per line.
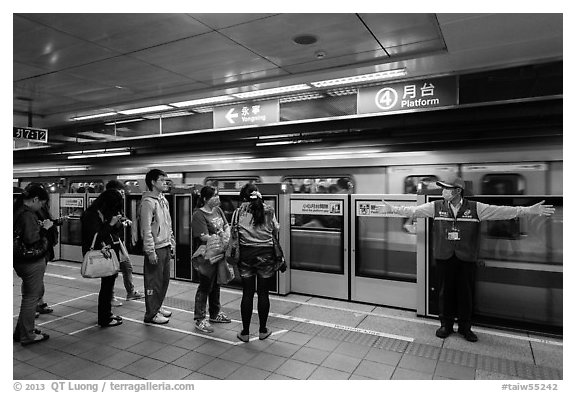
87, 186
503, 184
132, 186
230, 183
319, 185
417, 184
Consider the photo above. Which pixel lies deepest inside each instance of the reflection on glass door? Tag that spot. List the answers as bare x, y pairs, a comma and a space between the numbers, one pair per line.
71, 205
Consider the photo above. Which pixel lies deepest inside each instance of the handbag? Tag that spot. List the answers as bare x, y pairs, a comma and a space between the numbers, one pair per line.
225, 272
200, 263
124, 256
99, 263
278, 255
233, 249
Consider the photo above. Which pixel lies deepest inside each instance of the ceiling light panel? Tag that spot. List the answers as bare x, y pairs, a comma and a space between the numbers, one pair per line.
202, 101
276, 90
93, 116
361, 78
155, 108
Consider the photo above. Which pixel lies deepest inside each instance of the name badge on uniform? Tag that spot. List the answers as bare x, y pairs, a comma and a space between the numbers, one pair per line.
453, 234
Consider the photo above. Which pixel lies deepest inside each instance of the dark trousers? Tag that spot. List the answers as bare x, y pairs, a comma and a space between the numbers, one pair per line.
208, 290
156, 281
32, 275
456, 297
104, 299
248, 290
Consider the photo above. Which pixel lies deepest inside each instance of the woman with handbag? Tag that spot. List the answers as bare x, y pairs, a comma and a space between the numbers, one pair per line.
208, 221
103, 217
257, 227
30, 259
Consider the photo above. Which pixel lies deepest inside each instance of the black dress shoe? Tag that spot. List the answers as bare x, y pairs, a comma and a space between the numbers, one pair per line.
468, 335
44, 309
444, 331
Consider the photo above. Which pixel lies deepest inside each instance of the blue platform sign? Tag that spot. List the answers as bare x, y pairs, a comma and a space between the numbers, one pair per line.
410, 95
251, 113
31, 134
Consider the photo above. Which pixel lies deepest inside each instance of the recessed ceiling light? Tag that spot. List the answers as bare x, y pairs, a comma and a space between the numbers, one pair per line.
305, 39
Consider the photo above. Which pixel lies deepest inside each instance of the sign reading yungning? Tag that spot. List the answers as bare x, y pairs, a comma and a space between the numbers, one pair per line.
250, 113
421, 94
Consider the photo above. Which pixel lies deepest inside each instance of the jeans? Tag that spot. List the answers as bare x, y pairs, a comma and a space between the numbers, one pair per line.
104, 299
32, 275
156, 280
456, 297
126, 269
208, 289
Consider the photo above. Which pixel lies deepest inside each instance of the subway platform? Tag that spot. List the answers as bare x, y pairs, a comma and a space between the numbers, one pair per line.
313, 339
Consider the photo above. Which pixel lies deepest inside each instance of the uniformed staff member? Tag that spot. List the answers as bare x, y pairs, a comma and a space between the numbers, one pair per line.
456, 247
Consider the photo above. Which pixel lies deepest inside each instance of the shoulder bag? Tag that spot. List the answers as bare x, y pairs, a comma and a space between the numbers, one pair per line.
233, 249
99, 263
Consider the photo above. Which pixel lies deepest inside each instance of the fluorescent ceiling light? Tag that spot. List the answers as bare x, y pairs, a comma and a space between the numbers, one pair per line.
301, 97
361, 78
168, 115
93, 116
122, 122
202, 101
276, 90
146, 109
335, 153
122, 153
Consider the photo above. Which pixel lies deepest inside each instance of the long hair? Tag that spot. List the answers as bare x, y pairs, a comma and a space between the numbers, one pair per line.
206, 193
250, 193
109, 203
31, 191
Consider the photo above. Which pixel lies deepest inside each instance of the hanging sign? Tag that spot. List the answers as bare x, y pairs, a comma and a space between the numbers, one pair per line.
251, 113
317, 207
411, 95
31, 134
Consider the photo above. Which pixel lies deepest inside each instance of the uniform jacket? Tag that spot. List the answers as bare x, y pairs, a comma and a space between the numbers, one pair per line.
467, 225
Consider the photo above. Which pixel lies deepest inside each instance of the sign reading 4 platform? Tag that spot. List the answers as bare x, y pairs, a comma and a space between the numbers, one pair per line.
251, 113
410, 95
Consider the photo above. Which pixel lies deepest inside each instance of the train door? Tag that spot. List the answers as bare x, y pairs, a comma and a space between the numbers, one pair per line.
272, 194
412, 179
319, 245
555, 181
182, 219
384, 251
507, 179
133, 238
71, 205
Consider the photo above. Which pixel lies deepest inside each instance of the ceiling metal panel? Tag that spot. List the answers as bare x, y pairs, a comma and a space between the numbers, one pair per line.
206, 58
23, 71
417, 48
131, 73
335, 61
338, 35
402, 29
220, 21
124, 32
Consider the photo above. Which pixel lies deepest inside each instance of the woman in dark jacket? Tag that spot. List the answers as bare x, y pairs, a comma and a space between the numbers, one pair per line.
103, 217
32, 233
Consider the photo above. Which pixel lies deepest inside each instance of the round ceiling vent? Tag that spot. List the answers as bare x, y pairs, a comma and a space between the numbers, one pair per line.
305, 39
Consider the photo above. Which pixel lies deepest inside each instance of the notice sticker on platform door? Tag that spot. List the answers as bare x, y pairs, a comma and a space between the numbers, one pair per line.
317, 207
72, 202
376, 208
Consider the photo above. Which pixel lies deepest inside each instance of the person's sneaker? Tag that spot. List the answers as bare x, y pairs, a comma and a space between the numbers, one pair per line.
165, 312
37, 314
44, 309
159, 319
115, 302
265, 335
220, 318
134, 296
444, 331
469, 335
203, 326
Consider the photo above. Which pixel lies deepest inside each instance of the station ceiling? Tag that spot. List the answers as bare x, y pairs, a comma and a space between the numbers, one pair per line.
74, 65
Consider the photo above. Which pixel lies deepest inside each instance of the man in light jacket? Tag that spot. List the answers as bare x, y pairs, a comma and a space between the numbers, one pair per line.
158, 245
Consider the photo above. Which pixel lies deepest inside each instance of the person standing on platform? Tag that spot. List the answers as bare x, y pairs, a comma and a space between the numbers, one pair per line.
125, 265
158, 244
456, 247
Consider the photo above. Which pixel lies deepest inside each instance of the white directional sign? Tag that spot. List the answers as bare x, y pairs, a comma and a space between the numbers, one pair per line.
250, 113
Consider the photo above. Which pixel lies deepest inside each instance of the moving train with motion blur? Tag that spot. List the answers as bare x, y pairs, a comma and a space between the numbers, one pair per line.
351, 252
